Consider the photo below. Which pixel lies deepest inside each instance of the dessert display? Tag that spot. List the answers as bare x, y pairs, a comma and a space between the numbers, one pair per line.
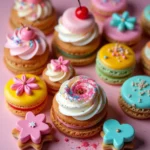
76, 36
145, 19
134, 97
123, 29
103, 9
79, 108
25, 93
33, 131
117, 136
38, 13
115, 63
57, 72
26, 51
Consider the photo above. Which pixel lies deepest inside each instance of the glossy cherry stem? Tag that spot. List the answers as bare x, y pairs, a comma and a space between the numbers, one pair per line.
79, 3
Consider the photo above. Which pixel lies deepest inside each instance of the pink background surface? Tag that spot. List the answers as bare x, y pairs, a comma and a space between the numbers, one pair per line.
8, 120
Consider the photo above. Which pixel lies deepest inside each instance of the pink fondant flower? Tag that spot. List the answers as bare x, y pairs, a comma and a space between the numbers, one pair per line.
24, 85
60, 64
32, 128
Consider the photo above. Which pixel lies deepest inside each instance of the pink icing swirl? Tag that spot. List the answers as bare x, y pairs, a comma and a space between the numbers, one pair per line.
33, 1
24, 85
33, 127
26, 43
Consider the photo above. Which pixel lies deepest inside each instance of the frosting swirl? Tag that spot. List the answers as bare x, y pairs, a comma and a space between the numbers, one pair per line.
26, 43
33, 11
59, 70
76, 31
81, 98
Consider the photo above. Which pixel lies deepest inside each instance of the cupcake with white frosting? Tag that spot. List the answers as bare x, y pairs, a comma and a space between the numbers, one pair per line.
38, 13
57, 71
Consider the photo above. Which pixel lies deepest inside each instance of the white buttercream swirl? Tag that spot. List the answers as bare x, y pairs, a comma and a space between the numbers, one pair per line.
58, 76
84, 106
33, 12
76, 39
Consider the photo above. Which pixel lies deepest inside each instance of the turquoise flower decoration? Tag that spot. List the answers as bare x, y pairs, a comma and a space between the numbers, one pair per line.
123, 22
117, 134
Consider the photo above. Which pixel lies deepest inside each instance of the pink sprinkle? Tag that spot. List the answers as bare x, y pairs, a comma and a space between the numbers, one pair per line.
66, 139
85, 144
94, 146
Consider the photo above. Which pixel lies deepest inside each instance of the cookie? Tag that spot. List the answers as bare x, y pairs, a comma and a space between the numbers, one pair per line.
123, 29
145, 58
39, 14
26, 51
134, 96
115, 63
25, 93
117, 136
77, 43
33, 132
103, 9
57, 71
79, 108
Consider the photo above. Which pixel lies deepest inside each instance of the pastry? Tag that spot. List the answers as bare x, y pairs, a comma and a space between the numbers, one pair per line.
26, 51
122, 29
103, 9
33, 131
145, 58
117, 136
115, 63
76, 36
79, 108
145, 19
134, 97
38, 13
57, 71
25, 93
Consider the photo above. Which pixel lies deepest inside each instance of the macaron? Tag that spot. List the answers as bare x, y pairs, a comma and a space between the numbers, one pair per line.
134, 97
123, 29
57, 71
103, 9
79, 108
115, 63
25, 92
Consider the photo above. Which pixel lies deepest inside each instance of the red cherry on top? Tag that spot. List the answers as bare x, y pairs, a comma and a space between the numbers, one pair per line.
27, 33
82, 12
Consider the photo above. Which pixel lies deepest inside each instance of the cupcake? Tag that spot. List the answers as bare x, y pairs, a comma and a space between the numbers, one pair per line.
25, 93
79, 108
145, 58
57, 71
115, 63
103, 9
26, 51
117, 136
122, 29
33, 131
134, 97
38, 13
76, 36
145, 19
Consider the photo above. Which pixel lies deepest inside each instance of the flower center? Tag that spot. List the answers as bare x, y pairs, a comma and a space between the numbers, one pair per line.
122, 19
32, 124
118, 130
80, 91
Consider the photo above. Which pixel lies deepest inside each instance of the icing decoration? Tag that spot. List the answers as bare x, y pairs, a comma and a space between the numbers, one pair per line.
138, 87
80, 98
123, 22
113, 53
26, 43
60, 64
24, 85
147, 12
147, 50
117, 134
33, 127
33, 10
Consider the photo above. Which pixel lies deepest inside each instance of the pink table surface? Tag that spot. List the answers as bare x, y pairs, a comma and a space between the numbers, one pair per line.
8, 120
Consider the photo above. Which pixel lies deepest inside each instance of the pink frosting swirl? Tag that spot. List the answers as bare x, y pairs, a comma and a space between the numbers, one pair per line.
26, 43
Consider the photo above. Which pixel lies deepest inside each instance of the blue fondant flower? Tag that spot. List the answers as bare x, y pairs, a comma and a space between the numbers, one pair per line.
123, 22
116, 133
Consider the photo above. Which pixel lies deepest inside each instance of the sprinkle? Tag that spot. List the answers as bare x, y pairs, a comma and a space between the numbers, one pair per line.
134, 89
105, 57
139, 100
133, 105
118, 130
66, 139
85, 144
94, 145
129, 95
